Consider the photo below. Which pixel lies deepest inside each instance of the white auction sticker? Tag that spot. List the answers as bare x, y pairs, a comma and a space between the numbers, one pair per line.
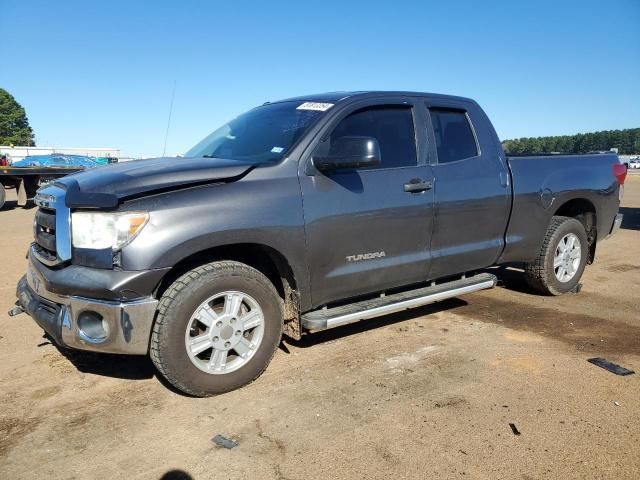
321, 107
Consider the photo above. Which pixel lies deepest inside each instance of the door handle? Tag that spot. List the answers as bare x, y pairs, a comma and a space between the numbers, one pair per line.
417, 185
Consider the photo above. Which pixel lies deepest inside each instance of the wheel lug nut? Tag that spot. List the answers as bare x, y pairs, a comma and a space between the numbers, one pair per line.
238, 332
215, 339
233, 320
218, 323
227, 344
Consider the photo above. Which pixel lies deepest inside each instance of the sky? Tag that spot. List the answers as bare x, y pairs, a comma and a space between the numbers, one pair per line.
101, 74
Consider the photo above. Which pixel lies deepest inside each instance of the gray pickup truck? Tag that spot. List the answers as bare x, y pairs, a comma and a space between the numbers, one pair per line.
298, 216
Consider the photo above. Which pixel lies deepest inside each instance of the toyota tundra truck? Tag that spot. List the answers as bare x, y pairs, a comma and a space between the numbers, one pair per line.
299, 216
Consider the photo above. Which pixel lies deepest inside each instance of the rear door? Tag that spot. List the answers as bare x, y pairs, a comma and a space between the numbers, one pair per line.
472, 191
365, 233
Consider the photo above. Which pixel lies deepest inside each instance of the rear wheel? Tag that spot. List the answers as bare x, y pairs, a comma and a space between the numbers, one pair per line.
562, 258
217, 329
3, 196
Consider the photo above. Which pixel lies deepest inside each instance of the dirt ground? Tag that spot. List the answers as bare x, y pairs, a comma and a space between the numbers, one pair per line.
428, 393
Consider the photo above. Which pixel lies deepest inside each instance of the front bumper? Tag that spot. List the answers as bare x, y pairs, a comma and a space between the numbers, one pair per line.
108, 326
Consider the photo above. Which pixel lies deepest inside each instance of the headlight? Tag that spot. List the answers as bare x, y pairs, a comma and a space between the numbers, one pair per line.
103, 230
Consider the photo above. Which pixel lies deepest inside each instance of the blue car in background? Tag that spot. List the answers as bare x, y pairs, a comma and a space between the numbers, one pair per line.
28, 174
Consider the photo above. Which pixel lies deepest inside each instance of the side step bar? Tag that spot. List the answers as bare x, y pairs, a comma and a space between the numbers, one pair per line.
334, 317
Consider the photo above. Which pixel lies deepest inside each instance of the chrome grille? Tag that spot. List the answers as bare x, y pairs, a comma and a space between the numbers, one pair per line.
45, 230
52, 227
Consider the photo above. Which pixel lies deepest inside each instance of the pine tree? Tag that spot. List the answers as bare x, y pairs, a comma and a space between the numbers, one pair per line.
14, 124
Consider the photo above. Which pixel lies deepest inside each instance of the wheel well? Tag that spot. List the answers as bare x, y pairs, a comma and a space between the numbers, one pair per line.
584, 211
271, 263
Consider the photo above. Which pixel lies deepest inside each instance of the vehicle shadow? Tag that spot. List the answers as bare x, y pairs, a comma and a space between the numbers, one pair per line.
126, 367
11, 204
512, 278
631, 219
366, 325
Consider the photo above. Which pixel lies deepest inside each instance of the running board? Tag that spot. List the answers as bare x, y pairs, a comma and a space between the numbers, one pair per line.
334, 317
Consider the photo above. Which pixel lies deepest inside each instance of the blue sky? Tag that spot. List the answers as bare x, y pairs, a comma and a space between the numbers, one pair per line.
101, 73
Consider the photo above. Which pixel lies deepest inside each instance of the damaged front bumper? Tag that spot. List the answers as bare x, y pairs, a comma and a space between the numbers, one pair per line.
109, 326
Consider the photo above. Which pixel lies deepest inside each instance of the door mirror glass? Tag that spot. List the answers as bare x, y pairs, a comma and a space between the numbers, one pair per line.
348, 152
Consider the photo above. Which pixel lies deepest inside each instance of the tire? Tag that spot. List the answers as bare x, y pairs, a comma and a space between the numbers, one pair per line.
542, 275
3, 196
193, 307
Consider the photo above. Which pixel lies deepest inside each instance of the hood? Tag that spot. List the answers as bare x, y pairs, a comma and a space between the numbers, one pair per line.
104, 187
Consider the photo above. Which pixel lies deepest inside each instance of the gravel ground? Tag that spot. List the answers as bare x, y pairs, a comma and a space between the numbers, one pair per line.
428, 393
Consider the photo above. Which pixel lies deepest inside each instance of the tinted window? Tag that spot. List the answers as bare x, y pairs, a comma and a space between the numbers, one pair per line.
391, 126
454, 138
264, 134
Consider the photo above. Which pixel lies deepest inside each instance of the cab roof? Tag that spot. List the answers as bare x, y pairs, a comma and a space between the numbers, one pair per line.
335, 97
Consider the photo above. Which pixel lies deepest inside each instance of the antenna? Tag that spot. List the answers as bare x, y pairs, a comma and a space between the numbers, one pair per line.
166, 135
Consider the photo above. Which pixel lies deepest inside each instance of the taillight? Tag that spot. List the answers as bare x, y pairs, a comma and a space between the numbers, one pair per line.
620, 172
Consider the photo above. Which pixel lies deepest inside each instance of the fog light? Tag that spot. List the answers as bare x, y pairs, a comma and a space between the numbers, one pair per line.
92, 326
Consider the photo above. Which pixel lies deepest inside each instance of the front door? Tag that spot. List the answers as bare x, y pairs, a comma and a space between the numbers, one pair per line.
366, 230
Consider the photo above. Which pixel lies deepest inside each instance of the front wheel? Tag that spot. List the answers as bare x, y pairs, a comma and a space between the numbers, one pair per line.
218, 326
562, 258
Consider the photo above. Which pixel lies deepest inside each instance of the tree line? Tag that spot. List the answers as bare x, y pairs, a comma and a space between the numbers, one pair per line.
626, 141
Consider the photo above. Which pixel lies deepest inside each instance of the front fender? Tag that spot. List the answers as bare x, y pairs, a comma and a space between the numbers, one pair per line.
263, 211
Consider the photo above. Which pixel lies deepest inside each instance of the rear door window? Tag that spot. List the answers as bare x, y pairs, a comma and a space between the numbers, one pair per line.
454, 137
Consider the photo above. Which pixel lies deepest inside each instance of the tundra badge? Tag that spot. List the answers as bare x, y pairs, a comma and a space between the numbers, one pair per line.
365, 256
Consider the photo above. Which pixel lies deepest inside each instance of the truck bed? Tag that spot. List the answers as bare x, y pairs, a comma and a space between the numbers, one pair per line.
543, 185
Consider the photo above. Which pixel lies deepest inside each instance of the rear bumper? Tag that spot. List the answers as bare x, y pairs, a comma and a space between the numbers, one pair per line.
87, 323
617, 222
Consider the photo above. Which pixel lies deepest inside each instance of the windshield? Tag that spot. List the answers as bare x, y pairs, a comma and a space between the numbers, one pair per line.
264, 134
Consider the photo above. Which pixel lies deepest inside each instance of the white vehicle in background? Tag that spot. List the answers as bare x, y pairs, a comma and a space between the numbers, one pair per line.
635, 163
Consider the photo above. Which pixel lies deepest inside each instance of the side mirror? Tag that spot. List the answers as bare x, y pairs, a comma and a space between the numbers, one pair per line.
349, 152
